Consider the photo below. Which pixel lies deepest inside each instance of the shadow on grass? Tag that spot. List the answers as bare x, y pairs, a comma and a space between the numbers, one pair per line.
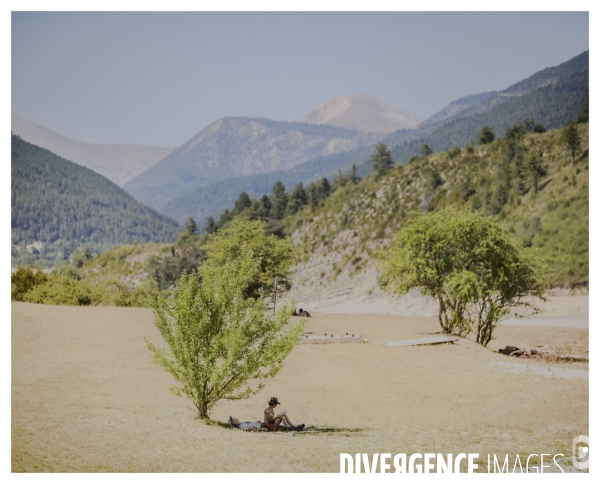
216, 423
309, 430
330, 430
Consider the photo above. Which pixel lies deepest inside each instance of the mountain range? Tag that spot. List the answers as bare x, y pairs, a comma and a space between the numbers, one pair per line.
552, 97
205, 175
60, 206
233, 147
362, 113
117, 162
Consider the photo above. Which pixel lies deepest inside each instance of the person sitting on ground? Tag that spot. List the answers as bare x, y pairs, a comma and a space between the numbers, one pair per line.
282, 418
246, 426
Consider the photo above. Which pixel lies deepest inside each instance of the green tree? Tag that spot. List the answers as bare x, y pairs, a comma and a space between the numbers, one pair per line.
221, 344
210, 226
23, 280
279, 201
297, 200
264, 208
570, 137
539, 128
312, 193
426, 150
486, 135
323, 189
381, 160
469, 264
191, 227
536, 169
277, 256
242, 203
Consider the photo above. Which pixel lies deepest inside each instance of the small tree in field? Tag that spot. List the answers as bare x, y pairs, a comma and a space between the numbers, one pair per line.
469, 265
221, 344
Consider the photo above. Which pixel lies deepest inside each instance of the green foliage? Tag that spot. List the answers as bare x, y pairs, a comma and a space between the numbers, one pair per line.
453, 152
571, 138
426, 150
276, 256
469, 264
486, 135
191, 227
279, 201
67, 206
381, 160
221, 344
64, 291
23, 280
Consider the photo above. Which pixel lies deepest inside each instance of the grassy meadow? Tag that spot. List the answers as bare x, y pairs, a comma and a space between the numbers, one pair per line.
86, 398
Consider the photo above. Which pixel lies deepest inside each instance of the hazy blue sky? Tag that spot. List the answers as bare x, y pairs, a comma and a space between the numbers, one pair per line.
159, 78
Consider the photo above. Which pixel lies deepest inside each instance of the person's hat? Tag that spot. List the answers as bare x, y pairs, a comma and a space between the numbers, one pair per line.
274, 401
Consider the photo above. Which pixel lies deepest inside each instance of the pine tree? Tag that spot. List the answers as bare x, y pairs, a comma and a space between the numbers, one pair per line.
297, 200
425, 149
570, 137
486, 135
279, 201
323, 189
381, 160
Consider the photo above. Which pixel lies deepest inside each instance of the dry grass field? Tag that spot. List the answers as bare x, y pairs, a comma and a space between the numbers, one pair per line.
86, 398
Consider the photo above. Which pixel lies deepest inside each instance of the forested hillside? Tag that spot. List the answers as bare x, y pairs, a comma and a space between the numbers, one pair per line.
65, 206
530, 182
550, 97
233, 147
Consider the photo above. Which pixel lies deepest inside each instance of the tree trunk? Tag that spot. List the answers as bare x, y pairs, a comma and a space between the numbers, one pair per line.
440, 315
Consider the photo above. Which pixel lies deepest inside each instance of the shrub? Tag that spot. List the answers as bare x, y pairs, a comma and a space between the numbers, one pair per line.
23, 280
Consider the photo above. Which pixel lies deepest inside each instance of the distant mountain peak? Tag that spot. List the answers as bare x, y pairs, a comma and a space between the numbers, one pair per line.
362, 112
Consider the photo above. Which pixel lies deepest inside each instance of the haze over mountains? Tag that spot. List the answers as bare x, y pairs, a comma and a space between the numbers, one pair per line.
552, 97
233, 147
117, 162
362, 112
207, 173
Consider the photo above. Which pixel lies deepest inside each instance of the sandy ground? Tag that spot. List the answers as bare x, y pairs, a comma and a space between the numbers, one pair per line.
85, 397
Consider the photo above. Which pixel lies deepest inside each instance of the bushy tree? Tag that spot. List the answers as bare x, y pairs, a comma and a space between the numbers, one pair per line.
381, 160
23, 280
486, 135
221, 344
276, 256
469, 264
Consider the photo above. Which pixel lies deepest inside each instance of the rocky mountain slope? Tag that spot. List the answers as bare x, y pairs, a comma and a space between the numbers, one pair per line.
117, 162
232, 147
362, 113
341, 239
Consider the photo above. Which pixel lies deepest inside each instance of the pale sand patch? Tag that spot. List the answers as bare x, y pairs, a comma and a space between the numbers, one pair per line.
85, 397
